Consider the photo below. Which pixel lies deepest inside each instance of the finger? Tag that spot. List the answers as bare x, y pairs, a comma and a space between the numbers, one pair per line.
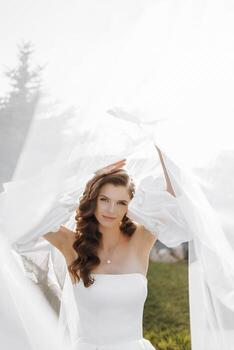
118, 165
118, 162
115, 166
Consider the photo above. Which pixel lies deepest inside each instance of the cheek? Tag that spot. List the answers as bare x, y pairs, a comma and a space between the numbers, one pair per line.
120, 211
123, 211
100, 208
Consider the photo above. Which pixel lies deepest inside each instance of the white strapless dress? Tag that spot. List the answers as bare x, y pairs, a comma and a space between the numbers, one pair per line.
111, 312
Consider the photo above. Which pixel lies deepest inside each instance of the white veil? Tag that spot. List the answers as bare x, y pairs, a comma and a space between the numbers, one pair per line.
168, 80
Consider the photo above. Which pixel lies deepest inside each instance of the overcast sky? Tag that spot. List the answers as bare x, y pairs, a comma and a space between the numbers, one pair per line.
62, 31
77, 39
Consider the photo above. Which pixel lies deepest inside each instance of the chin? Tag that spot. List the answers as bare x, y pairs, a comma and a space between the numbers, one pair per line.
107, 224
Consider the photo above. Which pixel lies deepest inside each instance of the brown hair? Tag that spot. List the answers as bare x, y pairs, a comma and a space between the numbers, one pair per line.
87, 235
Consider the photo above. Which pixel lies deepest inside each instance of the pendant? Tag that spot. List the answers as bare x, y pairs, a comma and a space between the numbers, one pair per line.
108, 261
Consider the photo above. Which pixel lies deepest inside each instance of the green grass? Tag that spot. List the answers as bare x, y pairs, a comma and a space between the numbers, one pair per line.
166, 313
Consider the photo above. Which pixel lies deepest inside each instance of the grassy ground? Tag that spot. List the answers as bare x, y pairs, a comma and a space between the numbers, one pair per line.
166, 313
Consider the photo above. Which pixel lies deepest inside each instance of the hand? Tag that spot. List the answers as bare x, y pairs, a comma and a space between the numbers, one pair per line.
109, 168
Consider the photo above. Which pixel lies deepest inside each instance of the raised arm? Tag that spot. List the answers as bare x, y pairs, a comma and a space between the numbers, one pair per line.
169, 185
151, 238
158, 211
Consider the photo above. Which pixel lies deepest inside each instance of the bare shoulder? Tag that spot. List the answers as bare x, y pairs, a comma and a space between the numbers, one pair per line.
144, 237
61, 239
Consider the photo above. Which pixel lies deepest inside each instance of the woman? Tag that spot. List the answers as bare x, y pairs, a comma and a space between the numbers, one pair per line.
109, 252
155, 212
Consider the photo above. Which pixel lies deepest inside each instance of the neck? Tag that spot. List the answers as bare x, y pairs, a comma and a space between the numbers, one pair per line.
110, 237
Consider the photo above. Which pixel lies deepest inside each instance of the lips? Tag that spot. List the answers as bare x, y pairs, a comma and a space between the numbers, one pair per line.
108, 217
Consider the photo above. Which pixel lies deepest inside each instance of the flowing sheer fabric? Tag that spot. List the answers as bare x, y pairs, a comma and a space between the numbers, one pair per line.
171, 84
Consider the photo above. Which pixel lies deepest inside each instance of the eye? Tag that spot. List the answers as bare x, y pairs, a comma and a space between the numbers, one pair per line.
104, 199
122, 203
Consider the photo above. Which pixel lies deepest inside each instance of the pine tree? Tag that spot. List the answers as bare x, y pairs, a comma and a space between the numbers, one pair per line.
24, 81
17, 108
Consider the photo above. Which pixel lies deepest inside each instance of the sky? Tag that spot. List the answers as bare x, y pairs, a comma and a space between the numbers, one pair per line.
62, 32
81, 41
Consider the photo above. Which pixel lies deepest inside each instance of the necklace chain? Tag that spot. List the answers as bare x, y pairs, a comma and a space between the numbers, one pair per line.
108, 261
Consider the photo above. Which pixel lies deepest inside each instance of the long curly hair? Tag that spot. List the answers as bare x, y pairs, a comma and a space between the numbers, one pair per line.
88, 237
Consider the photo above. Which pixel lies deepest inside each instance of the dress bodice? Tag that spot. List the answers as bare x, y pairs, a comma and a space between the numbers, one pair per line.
111, 309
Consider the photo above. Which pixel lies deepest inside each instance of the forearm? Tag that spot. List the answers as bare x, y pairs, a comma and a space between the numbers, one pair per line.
168, 182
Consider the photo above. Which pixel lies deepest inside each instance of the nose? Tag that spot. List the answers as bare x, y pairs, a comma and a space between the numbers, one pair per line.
111, 208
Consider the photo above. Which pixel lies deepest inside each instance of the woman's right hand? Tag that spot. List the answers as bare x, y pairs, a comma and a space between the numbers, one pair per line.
111, 167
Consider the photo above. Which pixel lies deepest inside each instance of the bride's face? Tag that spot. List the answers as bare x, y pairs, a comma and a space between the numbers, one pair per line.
112, 205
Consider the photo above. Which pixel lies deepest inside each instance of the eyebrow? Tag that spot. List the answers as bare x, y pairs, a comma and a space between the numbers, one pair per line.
120, 200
